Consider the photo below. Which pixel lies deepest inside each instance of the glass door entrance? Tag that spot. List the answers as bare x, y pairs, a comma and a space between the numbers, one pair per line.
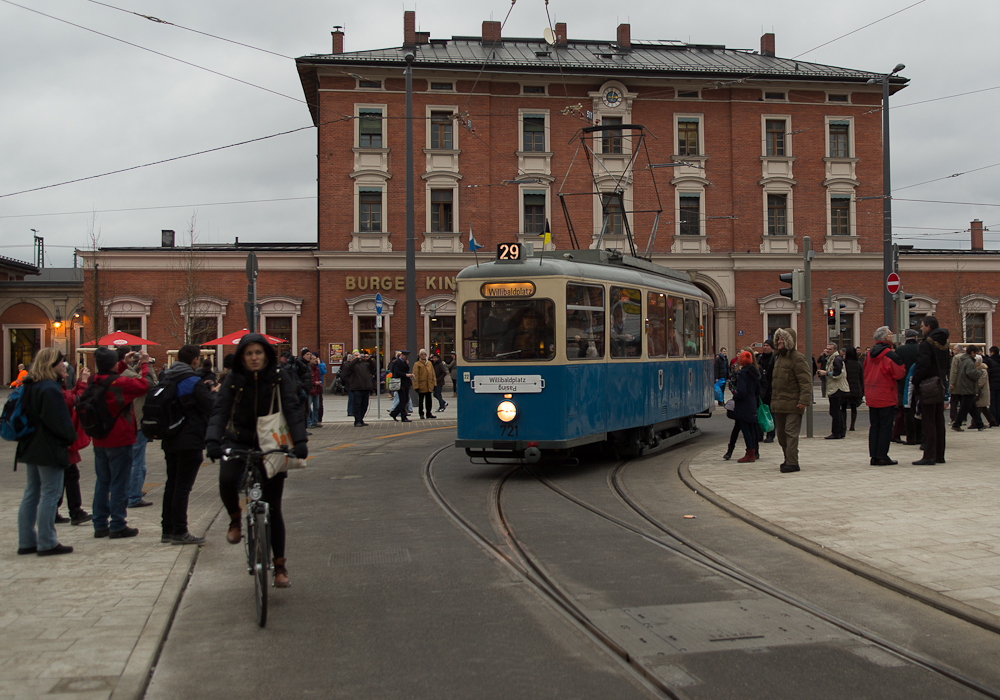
24, 343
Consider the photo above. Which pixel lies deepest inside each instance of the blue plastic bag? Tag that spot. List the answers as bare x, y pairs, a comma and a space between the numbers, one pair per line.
718, 390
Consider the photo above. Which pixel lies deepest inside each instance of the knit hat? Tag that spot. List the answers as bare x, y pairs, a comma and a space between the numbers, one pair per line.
770, 343
746, 358
106, 360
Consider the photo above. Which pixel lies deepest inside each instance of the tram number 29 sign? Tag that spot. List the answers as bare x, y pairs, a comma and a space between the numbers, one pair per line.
508, 251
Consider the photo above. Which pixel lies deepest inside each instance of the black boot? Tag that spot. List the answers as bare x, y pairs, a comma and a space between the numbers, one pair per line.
728, 455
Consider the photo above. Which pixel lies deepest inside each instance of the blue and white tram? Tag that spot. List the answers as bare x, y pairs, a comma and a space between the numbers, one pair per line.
580, 347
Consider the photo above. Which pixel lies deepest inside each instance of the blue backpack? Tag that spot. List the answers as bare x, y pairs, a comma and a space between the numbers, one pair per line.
14, 421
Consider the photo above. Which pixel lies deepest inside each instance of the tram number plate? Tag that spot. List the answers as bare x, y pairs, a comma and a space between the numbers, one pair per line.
509, 251
508, 384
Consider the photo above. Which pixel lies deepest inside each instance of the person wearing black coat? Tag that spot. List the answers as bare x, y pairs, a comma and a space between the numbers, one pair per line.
766, 364
183, 451
440, 374
359, 374
993, 372
745, 397
905, 422
856, 381
44, 452
400, 369
248, 393
933, 360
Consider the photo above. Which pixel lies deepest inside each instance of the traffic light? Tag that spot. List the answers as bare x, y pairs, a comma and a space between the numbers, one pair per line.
797, 292
831, 317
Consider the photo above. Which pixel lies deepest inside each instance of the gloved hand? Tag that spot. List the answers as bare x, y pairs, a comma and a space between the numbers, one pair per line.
213, 450
301, 450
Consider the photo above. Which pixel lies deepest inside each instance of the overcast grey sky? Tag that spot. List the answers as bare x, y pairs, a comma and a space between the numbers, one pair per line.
77, 104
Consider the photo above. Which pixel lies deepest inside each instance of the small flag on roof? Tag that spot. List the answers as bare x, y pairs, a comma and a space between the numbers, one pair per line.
546, 235
473, 246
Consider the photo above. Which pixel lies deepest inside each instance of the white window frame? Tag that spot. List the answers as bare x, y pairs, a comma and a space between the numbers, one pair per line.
281, 306
777, 304
363, 107
451, 109
124, 306
442, 182
688, 117
690, 192
363, 185
852, 229
979, 304
533, 188
850, 135
778, 188
364, 305
764, 119
525, 112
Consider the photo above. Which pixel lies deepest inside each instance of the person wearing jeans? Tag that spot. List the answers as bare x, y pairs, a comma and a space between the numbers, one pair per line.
113, 452
45, 455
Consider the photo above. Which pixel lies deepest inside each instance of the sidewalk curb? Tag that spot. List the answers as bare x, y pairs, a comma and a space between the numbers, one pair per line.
139, 668
925, 595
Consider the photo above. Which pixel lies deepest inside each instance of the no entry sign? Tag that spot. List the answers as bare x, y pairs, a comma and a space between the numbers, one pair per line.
892, 283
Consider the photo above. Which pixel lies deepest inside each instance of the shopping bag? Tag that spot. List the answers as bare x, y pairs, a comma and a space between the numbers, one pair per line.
718, 390
272, 433
764, 417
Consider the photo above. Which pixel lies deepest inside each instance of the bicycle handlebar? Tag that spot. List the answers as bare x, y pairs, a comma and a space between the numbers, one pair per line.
237, 451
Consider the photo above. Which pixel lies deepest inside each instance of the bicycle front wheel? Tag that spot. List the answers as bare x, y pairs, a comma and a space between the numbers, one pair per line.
261, 556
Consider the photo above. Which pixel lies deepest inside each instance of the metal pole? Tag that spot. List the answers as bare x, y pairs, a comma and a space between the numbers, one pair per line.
378, 366
886, 207
809, 327
411, 264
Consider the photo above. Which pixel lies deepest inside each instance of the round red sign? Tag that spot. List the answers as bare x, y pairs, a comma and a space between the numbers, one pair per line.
892, 283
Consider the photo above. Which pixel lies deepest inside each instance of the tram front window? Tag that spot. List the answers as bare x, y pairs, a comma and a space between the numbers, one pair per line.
508, 330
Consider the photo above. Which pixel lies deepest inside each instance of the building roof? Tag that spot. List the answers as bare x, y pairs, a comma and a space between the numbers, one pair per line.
526, 55
17, 267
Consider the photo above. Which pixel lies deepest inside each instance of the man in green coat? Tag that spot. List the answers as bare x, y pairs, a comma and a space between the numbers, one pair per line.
791, 391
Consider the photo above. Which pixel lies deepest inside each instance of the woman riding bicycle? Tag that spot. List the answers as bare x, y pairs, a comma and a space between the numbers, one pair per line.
245, 395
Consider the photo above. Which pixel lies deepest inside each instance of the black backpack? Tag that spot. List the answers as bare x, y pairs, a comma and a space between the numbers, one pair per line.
163, 413
92, 408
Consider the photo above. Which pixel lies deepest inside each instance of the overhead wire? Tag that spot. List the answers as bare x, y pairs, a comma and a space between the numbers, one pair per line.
189, 29
164, 206
153, 51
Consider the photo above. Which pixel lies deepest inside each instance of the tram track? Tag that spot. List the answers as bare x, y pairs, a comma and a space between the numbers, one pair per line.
515, 554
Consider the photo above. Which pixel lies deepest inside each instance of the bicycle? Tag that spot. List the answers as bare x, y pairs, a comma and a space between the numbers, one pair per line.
257, 540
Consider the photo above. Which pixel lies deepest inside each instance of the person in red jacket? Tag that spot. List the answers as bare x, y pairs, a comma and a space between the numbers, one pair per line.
883, 369
113, 452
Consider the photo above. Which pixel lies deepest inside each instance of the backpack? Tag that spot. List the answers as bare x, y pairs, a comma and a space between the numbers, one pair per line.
92, 408
14, 421
162, 414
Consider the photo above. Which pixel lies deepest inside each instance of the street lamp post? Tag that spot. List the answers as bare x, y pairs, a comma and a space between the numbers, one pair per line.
411, 268
887, 267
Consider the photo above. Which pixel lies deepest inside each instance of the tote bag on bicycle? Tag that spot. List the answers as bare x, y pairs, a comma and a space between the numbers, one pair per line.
273, 433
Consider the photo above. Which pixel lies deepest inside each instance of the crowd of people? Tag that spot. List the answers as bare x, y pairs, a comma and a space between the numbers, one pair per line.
905, 386
208, 414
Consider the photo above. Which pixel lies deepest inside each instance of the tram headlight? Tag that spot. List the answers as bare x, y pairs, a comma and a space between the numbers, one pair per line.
506, 411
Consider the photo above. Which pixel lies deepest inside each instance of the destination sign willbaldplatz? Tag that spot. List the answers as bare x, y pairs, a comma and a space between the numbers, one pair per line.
508, 384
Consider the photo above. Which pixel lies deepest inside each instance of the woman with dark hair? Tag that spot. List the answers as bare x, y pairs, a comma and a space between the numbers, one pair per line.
856, 382
247, 393
44, 453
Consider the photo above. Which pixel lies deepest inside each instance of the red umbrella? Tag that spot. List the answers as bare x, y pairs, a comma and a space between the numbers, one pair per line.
120, 338
234, 339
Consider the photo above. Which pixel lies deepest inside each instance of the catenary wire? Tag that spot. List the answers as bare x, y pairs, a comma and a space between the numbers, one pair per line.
163, 206
189, 29
158, 53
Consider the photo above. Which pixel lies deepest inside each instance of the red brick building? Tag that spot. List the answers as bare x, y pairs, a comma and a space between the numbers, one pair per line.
744, 154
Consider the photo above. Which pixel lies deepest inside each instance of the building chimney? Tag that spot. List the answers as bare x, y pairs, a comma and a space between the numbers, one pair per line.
423, 37
624, 37
338, 40
977, 235
491, 32
561, 39
767, 45
167, 238
409, 28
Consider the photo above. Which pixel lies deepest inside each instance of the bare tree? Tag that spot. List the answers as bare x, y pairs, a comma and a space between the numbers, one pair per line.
189, 287
100, 288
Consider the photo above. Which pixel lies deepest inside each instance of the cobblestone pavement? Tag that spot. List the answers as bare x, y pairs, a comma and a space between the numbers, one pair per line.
937, 527
88, 625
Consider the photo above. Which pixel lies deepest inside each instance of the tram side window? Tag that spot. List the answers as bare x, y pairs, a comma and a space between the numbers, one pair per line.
626, 322
508, 330
656, 324
584, 322
692, 343
675, 326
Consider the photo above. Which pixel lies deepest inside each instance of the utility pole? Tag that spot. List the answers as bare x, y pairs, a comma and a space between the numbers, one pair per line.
807, 267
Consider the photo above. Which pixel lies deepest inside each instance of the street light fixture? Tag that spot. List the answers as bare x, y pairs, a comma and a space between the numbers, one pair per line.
887, 267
